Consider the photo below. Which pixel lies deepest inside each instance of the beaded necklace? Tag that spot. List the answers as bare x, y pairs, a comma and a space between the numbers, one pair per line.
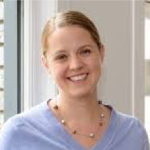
74, 131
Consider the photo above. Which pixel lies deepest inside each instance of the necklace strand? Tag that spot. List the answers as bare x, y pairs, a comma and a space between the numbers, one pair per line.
75, 132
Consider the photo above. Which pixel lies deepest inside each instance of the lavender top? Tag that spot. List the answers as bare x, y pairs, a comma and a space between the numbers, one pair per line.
38, 129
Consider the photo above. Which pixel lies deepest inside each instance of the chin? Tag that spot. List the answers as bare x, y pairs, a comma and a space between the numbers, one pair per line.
80, 93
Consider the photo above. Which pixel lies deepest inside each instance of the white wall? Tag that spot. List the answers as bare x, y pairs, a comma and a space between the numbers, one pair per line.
121, 25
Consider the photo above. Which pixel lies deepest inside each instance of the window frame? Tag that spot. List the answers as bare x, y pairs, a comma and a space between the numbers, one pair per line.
12, 58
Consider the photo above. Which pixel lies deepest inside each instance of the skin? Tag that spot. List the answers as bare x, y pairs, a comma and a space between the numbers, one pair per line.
73, 54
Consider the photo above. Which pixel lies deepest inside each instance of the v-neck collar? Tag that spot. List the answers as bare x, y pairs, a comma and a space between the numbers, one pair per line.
102, 144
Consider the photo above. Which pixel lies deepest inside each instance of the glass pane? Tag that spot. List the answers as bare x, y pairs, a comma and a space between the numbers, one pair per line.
1, 56
147, 38
1, 10
147, 74
147, 77
1, 63
1, 33
1, 108
1, 79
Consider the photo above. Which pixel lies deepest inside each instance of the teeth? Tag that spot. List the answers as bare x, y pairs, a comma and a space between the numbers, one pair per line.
80, 77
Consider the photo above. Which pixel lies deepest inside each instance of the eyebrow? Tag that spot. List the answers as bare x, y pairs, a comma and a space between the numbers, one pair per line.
60, 51
88, 45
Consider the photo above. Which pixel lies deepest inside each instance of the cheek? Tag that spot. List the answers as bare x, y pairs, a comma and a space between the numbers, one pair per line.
58, 73
96, 63
97, 67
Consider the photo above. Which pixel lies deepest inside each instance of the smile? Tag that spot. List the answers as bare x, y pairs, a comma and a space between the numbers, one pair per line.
79, 77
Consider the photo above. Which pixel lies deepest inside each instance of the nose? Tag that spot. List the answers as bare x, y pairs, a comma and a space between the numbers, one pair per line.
76, 63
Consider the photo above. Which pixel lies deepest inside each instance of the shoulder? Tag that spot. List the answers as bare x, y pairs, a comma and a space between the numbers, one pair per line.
129, 122
32, 115
9, 134
131, 129
26, 121
123, 119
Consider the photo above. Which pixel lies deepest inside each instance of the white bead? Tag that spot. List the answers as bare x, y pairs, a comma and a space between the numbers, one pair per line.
91, 135
102, 115
63, 121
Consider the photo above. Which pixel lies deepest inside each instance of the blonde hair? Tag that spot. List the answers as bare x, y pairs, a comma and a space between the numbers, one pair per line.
66, 19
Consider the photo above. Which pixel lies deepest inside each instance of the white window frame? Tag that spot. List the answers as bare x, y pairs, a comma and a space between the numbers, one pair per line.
37, 85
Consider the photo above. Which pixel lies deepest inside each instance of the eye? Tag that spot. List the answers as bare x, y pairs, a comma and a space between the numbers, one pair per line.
85, 52
61, 57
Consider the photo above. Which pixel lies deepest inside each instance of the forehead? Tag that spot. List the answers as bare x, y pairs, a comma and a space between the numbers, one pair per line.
69, 36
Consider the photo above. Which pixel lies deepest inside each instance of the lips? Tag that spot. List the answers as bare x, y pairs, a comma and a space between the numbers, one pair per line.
80, 77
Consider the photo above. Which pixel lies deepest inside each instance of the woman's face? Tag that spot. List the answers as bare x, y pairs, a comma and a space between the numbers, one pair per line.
73, 61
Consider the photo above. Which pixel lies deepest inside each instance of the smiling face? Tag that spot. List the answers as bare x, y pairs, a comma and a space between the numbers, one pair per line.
74, 61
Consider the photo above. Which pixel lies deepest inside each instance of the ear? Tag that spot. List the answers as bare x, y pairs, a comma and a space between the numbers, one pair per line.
46, 65
45, 62
102, 53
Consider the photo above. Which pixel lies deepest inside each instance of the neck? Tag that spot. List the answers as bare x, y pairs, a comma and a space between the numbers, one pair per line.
84, 109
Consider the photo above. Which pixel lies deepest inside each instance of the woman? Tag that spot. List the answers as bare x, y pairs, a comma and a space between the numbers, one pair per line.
73, 54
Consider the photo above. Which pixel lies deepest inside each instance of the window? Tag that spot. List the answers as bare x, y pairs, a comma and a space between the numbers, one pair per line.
1, 63
147, 67
37, 85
